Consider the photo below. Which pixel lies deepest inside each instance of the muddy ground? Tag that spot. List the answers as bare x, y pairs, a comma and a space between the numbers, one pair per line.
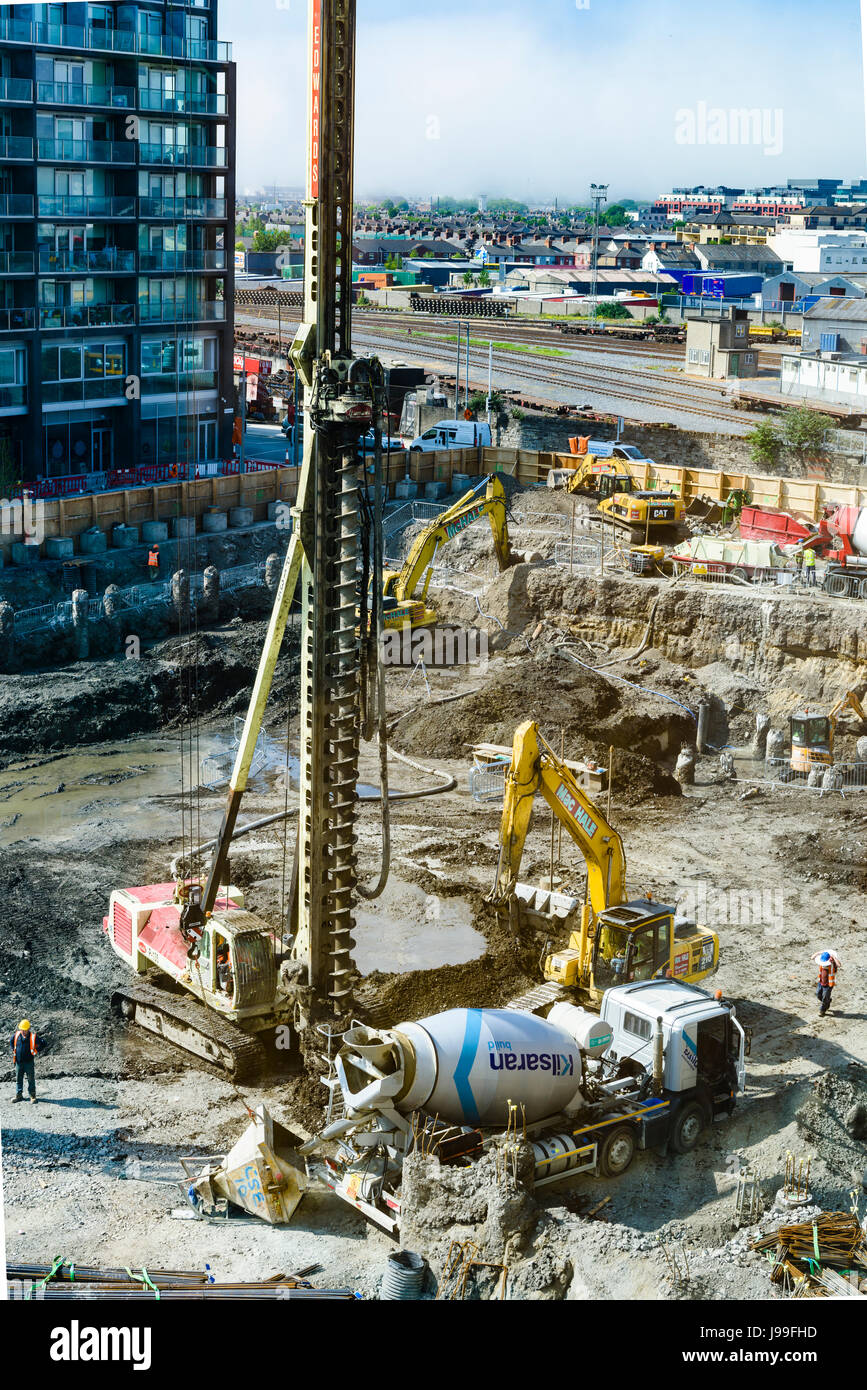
93, 1172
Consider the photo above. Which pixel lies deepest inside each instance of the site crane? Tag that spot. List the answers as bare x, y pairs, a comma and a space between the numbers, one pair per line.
198, 933
404, 601
619, 940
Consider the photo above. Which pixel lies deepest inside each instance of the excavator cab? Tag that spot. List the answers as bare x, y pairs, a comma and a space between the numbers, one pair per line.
633, 942
812, 740
609, 484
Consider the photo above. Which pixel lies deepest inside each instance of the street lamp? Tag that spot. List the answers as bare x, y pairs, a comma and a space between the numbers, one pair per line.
599, 195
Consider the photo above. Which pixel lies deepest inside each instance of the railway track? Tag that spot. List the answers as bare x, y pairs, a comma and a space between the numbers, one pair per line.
641, 387
496, 329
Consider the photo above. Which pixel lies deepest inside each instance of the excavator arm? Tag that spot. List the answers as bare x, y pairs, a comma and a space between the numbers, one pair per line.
404, 586
536, 768
848, 701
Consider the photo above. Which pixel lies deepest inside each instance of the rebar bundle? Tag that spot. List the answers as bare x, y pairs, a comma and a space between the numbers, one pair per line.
64, 1279
804, 1255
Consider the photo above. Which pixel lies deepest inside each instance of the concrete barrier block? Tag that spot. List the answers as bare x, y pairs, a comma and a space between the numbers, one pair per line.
184, 526
24, 554
93, 542
58, 547
435, 492
460, 483
214, 521
406, 489
240, 516
152, 532
125, 537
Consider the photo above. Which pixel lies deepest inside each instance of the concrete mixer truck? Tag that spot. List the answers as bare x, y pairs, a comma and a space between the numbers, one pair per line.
659, 1063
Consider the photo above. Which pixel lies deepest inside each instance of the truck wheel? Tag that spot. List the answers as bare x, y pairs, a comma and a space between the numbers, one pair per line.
617, 1151
738, 573
687, 1128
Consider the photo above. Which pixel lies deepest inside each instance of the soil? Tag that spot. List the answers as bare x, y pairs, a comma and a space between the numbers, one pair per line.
90, 800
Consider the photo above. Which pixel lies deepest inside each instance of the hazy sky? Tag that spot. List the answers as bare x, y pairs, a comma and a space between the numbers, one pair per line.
532, 98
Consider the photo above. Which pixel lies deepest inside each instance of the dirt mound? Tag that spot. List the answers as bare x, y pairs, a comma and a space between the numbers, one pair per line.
593, 713
834, 1117
98, 701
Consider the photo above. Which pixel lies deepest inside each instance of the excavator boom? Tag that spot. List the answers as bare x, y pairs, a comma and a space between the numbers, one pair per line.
535, 767
404, 587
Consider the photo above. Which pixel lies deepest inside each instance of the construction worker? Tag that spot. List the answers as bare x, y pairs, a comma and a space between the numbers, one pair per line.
25, 1046
826, 982
154, 562
810, 566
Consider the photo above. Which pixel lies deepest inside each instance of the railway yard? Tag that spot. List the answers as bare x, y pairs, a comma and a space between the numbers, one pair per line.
643, 381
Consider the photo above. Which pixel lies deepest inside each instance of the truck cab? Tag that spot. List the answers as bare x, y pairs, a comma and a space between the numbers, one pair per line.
703, 1044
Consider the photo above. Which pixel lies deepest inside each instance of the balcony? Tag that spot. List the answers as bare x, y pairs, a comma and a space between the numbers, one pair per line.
107, 261
182, 207
84, 205
99, 40
205, 312
18, 319
87, 316
16, 89
81, 94
12, 396
17, 262
79, 392
183, 103
192, 156
16, 205
169, 383
16, 147
66, 151
181, 260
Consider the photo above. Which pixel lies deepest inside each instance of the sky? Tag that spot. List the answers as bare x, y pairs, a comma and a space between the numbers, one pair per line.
533, 99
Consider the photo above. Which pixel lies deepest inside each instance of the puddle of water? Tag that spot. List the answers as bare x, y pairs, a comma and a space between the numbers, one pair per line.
58, 794
408, 929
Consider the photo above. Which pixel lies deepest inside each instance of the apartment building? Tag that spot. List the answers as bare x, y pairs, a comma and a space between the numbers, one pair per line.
116, 234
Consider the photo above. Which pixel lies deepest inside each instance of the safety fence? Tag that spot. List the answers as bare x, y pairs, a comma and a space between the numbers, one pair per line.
735, 576
408, 513
837, 777
487, 781
144, 475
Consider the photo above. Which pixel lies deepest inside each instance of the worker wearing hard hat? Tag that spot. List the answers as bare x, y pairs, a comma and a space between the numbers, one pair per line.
810, 565
826, 981
154, 562
25, 1046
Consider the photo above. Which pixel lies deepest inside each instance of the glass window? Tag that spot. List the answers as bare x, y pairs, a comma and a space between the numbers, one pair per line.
94, 361
638, 1027
49, 364
70, 364
115, 359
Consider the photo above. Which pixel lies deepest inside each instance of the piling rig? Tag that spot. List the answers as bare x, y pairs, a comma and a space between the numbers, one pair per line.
244, 978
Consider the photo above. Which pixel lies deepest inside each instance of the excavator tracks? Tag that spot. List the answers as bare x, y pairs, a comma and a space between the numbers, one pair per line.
187, 1024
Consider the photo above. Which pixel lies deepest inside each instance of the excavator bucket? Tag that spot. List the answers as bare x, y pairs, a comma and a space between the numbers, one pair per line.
542, 907
262, 1174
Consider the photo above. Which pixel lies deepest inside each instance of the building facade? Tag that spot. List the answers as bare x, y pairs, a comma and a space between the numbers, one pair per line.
117, 191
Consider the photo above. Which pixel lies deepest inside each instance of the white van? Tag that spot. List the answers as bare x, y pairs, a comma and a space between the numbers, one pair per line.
452, 434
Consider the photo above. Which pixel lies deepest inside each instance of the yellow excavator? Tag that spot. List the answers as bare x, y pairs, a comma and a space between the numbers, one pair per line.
643, 512
813, 734
405, 590
619, 939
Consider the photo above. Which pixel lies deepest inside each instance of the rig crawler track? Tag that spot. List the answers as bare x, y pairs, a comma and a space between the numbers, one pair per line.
184, 1022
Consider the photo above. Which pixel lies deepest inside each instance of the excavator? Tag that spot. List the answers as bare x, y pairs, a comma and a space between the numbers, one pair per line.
618, 939
642, 512
403, 601
214, 978
812, 735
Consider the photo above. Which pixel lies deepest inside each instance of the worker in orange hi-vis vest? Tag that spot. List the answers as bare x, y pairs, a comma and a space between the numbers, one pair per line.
827, 964
154, 562
25, 1046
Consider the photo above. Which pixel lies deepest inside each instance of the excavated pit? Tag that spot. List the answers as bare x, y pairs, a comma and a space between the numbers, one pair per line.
117, 1105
